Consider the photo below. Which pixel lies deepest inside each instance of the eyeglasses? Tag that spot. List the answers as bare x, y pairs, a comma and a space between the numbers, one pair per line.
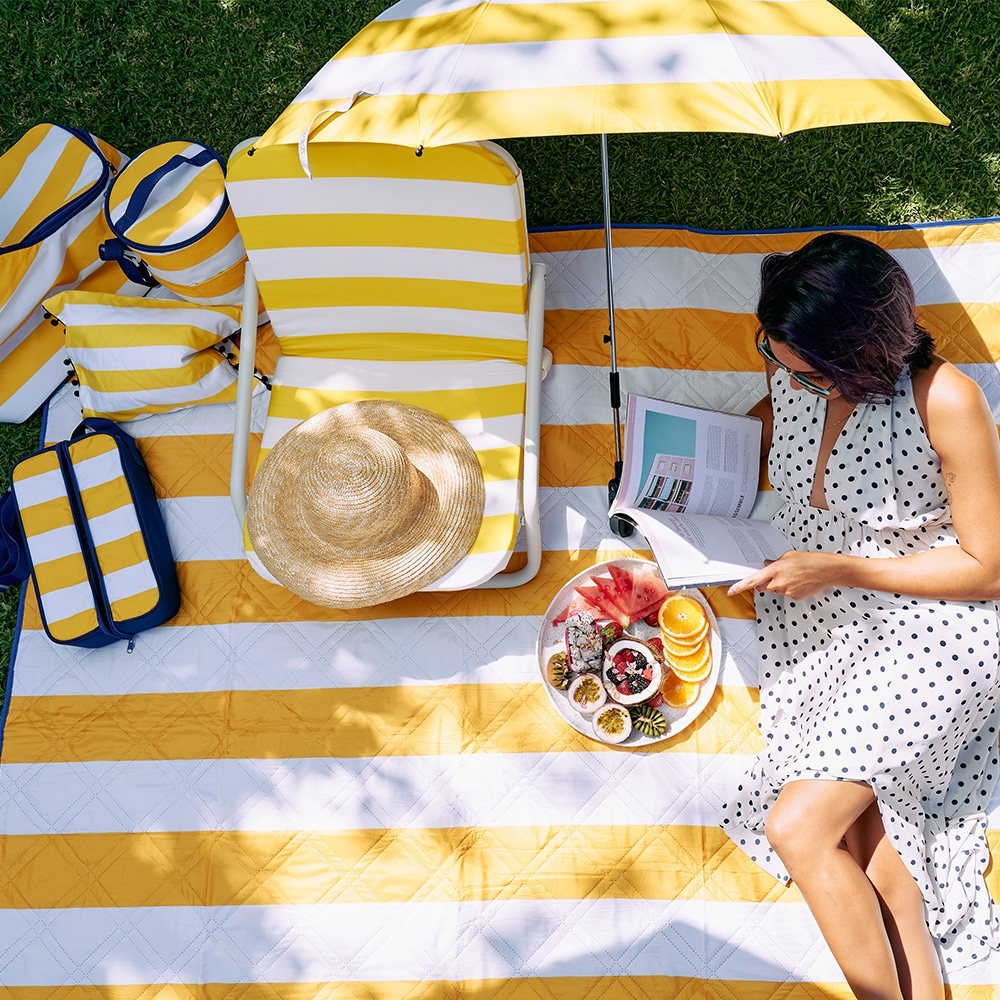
804, 380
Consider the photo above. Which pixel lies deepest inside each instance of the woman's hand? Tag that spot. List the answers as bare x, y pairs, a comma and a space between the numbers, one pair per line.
795, 574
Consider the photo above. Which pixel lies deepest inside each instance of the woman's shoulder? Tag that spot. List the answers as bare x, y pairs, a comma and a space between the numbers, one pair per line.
947, 398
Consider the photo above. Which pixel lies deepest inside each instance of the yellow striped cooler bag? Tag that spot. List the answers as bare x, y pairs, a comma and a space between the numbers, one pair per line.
53, 182
82, 517
170, 209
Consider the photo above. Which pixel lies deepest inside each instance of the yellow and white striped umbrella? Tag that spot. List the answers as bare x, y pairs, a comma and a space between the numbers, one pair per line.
430, 72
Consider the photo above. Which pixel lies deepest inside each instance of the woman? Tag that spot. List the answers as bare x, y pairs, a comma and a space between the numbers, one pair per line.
878, 633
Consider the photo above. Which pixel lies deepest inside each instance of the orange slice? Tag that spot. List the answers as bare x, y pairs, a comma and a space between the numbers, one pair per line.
678, 693
683, 619
671, 647
695, 667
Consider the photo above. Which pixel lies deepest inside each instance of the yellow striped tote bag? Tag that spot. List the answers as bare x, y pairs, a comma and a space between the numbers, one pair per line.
88, 521
52, 186
169, 207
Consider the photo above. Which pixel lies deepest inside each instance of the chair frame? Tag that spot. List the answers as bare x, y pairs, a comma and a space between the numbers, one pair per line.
530, 518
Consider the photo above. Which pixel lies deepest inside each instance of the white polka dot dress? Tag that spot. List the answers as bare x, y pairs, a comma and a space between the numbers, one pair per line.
900, 692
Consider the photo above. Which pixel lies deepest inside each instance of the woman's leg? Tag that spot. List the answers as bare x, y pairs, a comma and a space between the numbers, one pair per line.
902, 907
806, 827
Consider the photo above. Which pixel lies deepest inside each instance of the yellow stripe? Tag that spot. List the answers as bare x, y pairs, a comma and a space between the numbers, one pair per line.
47, 516
66, 629
64, 571
213, 286
625, 108
318, 293
497, 534
632, 19
219, 592
349, 230
106, 497
135, 605
122, 553
334, 722
533, 988
473, 164
453, 404
450, 865
414, 347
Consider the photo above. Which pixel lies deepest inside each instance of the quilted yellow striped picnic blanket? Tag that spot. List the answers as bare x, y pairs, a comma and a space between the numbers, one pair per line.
268, 799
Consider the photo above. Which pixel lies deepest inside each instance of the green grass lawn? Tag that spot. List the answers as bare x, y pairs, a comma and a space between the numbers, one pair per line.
144, 71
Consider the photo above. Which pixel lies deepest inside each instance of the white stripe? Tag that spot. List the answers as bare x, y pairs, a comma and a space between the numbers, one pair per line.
39, 488
218, 379
603, 62
395, 319
317, 655
325, 794
146, 312
58, 605
44, 546
334, 374
405, 196
389, 263
491, 432
128, 582
676, 277
103, 467
416, 942
116, 524
141, 357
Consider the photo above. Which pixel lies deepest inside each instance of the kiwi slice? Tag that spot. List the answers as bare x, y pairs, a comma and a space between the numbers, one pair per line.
648, 721
557, 671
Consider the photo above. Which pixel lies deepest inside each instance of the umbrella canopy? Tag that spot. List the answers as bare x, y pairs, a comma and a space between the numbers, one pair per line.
431, 72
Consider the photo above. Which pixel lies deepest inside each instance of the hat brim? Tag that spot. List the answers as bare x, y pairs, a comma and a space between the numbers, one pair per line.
349, 575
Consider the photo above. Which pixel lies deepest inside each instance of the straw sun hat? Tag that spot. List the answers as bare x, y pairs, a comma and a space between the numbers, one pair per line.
366, 502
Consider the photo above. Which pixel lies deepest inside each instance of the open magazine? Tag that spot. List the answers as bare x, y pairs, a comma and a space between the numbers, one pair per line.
689, 482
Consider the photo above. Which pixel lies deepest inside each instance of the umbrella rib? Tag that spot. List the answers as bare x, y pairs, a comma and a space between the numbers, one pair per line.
756, 84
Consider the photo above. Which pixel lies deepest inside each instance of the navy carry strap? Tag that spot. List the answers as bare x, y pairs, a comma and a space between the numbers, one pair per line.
147, 185
14, 563
133, 269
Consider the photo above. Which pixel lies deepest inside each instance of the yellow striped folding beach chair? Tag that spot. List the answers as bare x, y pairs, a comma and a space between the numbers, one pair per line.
388, 275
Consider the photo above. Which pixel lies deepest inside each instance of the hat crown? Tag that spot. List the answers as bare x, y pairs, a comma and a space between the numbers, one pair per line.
361, 487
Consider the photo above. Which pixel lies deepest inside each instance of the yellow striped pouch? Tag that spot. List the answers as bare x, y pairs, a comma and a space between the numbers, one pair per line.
170, 208
137, 356
100, 558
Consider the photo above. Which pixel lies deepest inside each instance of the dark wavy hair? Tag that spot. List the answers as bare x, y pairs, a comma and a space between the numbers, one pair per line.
846, 307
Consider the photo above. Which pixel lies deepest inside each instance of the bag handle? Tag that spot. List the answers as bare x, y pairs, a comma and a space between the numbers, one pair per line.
145, 187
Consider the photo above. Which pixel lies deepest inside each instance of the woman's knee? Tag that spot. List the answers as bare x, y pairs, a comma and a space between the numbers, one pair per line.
791, 830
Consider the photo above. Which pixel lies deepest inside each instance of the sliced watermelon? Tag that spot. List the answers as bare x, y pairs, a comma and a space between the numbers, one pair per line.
578, 602
607, 587
622, 580
648, 592
608, 609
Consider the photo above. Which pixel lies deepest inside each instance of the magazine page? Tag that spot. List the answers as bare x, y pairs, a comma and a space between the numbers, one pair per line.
684, 459
700, 550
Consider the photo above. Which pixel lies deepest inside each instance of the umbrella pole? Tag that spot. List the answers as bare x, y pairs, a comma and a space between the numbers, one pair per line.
618, 525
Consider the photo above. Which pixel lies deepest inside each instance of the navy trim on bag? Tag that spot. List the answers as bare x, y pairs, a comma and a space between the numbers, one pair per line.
54, 222
144, 189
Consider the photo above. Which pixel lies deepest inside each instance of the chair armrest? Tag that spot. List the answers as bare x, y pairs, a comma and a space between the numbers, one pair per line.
244, 398
532, 432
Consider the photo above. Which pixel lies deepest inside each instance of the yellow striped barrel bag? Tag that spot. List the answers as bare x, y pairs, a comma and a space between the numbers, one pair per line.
82, 518
169, 208
53, 183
